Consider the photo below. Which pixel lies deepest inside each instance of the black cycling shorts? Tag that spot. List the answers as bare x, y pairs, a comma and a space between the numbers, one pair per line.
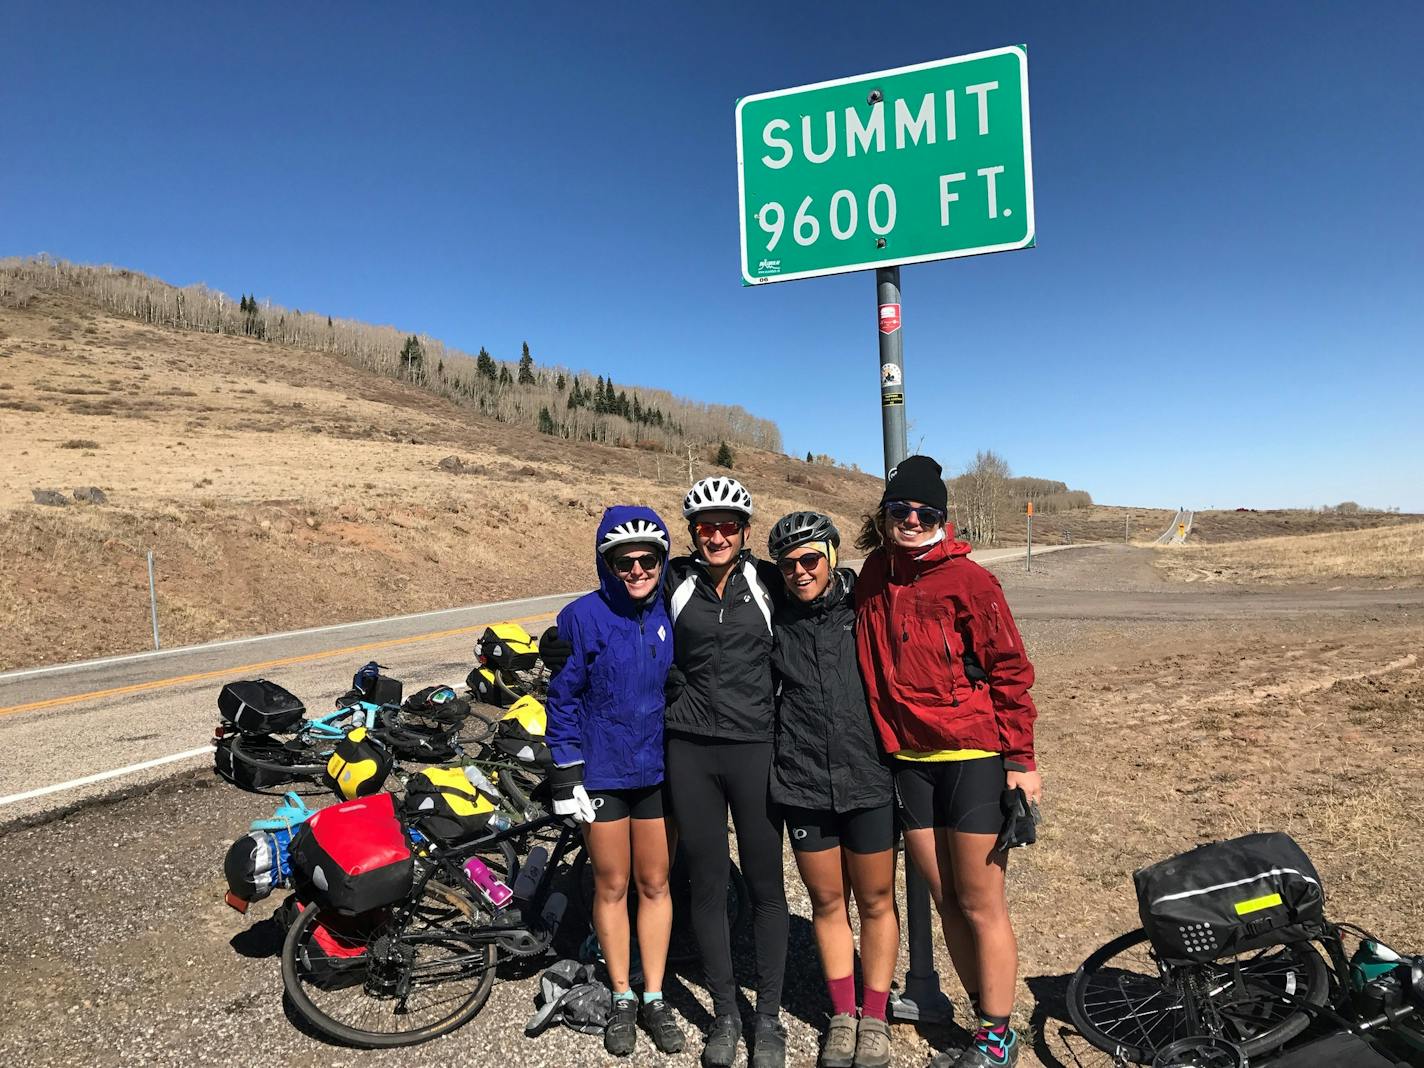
639, 802
962, 795
862, 830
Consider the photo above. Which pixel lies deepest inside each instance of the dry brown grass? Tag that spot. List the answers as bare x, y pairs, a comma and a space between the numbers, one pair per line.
1386, 555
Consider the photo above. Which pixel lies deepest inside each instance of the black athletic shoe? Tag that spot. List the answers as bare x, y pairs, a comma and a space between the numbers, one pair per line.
621, 1034
658, 1021
720, 1049
768, 1043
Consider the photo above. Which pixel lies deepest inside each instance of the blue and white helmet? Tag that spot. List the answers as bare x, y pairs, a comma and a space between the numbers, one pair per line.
634, 530
717, 493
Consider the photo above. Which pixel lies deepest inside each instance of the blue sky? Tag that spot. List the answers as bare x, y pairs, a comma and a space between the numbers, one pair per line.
1224, 307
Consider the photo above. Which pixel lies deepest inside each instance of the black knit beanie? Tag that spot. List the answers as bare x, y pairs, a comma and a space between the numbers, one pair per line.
917, 478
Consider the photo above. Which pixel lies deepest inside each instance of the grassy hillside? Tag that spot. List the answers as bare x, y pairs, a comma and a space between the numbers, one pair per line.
1389, 555
280, 492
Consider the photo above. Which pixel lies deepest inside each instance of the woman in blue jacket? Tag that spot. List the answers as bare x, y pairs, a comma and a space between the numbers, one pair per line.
605, 730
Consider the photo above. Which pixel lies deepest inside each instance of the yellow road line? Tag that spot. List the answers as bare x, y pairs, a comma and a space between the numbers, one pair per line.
177, 680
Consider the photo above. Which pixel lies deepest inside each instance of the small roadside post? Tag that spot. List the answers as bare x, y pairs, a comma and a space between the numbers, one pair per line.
1028, 553
1125, 520
152, 599
871, 172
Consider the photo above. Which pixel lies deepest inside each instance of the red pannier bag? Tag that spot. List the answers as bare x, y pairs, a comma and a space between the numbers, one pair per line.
354, 857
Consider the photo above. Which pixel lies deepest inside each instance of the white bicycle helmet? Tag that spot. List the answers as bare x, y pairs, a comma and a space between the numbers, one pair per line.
717, 492
639, 530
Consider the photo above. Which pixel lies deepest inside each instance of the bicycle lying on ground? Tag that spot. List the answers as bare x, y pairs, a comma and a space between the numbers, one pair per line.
1169, 998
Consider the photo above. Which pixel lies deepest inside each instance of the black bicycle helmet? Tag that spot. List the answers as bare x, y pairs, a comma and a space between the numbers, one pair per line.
797, 529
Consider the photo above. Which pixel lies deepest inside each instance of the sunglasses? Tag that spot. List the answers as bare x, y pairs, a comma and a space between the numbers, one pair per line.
706, 530
810, 561
902, 510
647, 563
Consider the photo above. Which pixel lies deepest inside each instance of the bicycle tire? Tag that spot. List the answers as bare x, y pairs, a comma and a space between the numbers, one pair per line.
292, 757
373, 989
1153, 1013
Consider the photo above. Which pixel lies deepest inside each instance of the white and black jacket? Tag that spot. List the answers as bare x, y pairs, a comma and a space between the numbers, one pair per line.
720, 685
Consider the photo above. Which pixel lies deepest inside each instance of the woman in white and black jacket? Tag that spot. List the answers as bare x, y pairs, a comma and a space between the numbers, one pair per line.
831, 780
719, 727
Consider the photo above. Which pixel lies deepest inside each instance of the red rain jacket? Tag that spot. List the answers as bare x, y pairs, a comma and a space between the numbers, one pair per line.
914, 619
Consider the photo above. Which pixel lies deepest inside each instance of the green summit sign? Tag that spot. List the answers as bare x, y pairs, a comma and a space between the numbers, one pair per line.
901, 166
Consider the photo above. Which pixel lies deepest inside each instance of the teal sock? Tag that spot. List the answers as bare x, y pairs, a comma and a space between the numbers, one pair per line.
625, 995
650, 996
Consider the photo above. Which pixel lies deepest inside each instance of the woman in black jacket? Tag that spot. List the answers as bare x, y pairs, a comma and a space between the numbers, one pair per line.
719, 727
833, 786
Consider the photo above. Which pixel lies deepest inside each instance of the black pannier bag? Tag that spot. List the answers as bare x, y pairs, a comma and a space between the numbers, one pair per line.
242, 774
1230, 897
353, 857
256, 706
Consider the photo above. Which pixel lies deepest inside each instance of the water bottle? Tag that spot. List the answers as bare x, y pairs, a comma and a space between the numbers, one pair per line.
481, 783
494, 891
531, 873
498, 822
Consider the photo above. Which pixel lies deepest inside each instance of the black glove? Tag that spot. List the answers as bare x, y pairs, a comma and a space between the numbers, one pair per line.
553, 650
1021, 820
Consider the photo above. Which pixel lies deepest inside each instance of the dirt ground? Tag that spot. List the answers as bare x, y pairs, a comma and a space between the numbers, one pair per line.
1156, 733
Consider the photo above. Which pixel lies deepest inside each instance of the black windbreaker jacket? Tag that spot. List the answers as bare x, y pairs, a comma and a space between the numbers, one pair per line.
720, 683
827, 756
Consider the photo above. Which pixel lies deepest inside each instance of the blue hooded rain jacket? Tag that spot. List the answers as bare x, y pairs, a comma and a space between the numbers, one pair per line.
605, 706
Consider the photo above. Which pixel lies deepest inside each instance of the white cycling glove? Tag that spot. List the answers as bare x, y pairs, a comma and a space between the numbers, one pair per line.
570, 798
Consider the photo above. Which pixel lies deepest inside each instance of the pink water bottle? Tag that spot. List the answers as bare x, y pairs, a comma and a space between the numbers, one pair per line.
495, 892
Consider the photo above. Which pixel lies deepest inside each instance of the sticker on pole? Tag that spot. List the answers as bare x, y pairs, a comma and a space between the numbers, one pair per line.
889, 318
890, 374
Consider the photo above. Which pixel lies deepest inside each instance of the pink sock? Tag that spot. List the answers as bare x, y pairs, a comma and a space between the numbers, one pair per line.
875, 1001
842, 993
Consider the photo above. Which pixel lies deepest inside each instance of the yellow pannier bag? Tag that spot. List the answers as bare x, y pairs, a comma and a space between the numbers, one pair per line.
443, 803
358, 767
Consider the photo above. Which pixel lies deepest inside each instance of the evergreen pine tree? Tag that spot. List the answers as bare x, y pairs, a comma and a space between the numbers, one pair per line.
546, 422
559, 382
526, 367
600, 402
809, 458
412, 357
505, 378
484, 365
724, 456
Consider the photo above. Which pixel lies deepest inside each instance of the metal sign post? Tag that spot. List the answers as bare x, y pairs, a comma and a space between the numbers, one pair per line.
1028, 554
921, 998
153, 599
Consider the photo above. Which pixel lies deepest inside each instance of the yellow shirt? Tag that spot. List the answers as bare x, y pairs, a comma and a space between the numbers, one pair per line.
943, 754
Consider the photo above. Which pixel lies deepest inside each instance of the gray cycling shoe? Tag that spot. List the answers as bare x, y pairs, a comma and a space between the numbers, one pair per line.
621, 1033
720, 1049
838, 1049
872, 1046
768, 1043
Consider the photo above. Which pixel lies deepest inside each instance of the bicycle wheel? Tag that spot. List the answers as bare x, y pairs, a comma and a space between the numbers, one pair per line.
397, 982
294, 758
1122, 1002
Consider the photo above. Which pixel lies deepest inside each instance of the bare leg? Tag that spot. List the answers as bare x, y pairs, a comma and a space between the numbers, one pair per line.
872, 875
830, 899
651, 859
609, 853
978, 872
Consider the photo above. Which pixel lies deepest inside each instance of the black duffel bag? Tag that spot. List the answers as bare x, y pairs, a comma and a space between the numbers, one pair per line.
256, 706
1229, 897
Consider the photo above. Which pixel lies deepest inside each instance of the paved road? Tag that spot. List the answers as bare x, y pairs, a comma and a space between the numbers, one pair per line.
1179, 530
77, 732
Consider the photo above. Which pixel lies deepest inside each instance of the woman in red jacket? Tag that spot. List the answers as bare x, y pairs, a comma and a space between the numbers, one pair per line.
948, 682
